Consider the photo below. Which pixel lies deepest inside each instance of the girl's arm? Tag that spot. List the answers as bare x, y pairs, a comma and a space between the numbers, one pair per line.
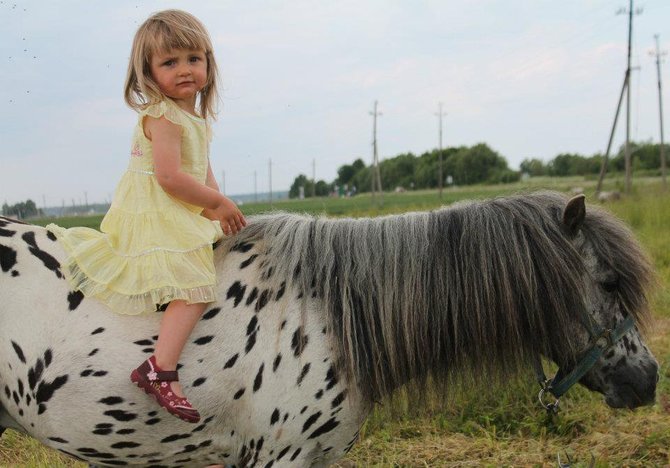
211, 180
211, 183
166, 144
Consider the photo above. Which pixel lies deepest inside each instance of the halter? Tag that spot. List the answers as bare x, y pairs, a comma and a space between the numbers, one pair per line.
601, 339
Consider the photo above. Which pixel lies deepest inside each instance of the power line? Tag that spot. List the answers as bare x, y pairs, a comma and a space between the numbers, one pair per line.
660, 54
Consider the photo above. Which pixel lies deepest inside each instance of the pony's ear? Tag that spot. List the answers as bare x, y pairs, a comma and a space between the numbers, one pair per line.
574, 213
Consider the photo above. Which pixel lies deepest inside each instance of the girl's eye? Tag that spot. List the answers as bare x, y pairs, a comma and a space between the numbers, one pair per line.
195, 59
168, 63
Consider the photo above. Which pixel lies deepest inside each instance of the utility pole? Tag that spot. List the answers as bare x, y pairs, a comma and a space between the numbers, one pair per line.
376, 175
270, 179
255, 188
603, 165
625, 88
659, 54
86, 199
440, 182
627, 155
313, 177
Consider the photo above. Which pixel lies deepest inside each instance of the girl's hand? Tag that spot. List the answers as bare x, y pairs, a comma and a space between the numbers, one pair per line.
228, 214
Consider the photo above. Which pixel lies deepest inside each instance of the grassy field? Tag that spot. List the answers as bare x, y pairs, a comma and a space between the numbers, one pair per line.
502, 425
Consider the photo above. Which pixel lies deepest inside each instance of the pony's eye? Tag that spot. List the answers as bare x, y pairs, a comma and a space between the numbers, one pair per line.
611, 285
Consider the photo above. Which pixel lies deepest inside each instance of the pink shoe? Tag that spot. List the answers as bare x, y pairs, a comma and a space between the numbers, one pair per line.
156, 382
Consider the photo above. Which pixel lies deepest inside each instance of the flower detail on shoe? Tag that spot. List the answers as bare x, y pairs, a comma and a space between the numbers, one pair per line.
156, 382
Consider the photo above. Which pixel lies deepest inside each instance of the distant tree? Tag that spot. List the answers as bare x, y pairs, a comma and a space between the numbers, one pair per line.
427, 168
347, 172
503, 176
21, 210
363, 180
476, 164
533, 167
643, 156
425, 171
300, 181
358, 164
322, 188
568, 164
466, 165
565, 164
647, 155
398, 171
592, 165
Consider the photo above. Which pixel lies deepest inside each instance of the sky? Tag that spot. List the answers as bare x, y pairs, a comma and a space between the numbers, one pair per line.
531, 78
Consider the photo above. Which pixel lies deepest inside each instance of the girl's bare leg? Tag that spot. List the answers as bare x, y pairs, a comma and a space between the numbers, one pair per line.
178, 322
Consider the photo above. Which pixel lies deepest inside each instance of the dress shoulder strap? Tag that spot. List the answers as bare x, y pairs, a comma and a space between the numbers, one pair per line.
166, 109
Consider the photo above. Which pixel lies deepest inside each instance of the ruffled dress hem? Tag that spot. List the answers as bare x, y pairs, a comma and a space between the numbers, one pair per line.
122, 302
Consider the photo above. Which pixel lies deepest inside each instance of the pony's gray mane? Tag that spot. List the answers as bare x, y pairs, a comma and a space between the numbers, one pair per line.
487, 284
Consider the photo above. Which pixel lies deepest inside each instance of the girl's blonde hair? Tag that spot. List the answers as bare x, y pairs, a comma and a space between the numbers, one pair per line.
161, 32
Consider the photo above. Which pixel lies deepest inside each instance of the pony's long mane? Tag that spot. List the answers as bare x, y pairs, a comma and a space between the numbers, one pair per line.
484, 284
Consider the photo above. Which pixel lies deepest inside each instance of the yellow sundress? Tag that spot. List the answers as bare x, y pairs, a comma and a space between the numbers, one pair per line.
151, 248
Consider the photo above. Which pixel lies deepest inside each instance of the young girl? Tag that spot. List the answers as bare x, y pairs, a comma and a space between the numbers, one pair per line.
156, 241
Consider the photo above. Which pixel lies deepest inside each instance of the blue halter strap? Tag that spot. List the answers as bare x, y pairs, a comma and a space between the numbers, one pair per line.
601, 339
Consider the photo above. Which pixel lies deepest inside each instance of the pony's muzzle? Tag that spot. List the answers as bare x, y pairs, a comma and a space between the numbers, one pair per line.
631, 388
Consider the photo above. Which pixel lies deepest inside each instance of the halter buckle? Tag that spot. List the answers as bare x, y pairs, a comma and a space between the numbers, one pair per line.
551, 408
604, 340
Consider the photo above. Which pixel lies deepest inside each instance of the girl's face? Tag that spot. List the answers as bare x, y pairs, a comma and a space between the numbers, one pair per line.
180, 74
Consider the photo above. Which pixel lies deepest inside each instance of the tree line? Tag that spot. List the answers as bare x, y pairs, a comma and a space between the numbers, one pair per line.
463, 165
644, 156
21, 210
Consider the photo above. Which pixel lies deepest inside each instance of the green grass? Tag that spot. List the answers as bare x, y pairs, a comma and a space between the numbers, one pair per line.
503, 424
18, 450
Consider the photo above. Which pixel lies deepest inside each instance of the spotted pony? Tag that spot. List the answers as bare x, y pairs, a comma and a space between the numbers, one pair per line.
316, 319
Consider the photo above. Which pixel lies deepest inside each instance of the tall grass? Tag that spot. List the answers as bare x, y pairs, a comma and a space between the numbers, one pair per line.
502, 424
